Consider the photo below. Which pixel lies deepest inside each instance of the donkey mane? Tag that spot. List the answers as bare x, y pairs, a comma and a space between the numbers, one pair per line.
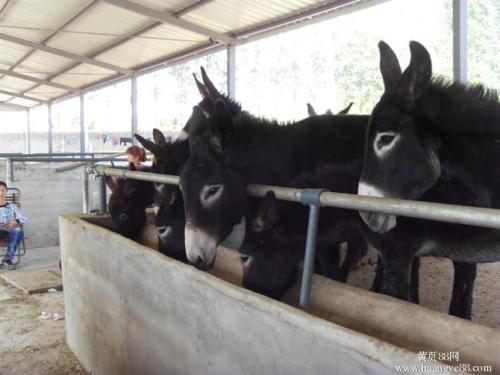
469, 108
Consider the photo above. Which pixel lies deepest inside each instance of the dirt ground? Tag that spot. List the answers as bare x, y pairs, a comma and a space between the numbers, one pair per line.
28, 344
436, 283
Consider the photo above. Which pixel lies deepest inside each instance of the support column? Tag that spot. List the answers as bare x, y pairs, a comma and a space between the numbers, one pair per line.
134, 107
231, 71
28, 133
50, 127
460, 40
82, 124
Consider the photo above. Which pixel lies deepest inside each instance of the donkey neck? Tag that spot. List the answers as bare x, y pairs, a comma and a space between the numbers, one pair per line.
274, 154
455, 108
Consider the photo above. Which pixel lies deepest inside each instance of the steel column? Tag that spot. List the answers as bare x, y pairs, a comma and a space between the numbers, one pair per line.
231, 71
49, 111
86, 199
28, 132
460, 40
82, 124
133, 98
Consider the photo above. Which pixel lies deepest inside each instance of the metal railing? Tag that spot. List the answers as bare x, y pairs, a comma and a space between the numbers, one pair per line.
59, 158
314, 198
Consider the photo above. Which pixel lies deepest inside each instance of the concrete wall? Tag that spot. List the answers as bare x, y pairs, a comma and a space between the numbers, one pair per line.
131, 310
45, 195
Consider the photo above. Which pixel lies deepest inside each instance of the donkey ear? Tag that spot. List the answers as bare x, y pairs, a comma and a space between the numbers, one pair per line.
389, 66
212, 91
159, 138
201, 88
197, 124
267, 214
345, 111
310, 110
221, 128
418, 74
148, 145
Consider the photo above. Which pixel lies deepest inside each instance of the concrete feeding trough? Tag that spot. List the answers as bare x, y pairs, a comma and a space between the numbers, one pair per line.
130, 309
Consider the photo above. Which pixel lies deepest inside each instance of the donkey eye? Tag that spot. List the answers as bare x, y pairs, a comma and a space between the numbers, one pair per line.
384, 142
210, 194
213, 190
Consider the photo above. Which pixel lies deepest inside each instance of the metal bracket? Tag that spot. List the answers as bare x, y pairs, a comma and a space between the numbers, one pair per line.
311, 196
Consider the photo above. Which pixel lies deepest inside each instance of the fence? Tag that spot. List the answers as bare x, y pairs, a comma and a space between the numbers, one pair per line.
314, 198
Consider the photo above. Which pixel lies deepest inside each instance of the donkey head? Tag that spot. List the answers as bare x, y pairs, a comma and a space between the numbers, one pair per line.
211, 187
401, 153
270, 257
169, 157
127, 205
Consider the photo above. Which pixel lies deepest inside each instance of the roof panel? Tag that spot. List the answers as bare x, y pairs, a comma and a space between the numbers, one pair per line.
161, 41
231, 16
35, 20
165, 5
23, 102
14, 84
45, 92
43, 63
83, 75
97, 27
4, 97
11, 53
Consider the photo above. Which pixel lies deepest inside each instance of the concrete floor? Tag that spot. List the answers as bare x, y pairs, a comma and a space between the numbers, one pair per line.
28, 344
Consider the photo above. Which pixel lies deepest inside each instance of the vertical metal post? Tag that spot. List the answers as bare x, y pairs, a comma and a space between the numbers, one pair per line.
10, 170
28, 132
50, 127
231, 71
134, 107
102, 194
86, 198
460, 40
82, 124
309, 197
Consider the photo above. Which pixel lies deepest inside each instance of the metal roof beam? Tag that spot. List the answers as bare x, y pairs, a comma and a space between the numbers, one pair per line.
22, 96
66, 54
37, 80
170, 19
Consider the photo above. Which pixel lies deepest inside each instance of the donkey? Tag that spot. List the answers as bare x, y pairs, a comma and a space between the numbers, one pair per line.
127, 204
312, 112
169, 157
228, 152
432, 141
273, 248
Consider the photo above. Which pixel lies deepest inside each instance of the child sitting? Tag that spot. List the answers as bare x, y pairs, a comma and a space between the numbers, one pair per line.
11, 220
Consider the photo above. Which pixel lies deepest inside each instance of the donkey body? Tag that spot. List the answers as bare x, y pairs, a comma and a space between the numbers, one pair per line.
438, 142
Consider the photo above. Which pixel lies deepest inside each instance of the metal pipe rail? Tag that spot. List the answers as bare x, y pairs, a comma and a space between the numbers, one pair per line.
314, 198
456, 214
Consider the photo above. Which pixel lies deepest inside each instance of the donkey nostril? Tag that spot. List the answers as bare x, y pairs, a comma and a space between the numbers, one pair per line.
199, 262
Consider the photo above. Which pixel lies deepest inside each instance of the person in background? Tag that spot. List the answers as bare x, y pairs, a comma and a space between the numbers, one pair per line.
11, 220
136, 155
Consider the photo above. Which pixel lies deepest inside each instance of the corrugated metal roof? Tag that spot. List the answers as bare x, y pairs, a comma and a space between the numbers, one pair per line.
78, 43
